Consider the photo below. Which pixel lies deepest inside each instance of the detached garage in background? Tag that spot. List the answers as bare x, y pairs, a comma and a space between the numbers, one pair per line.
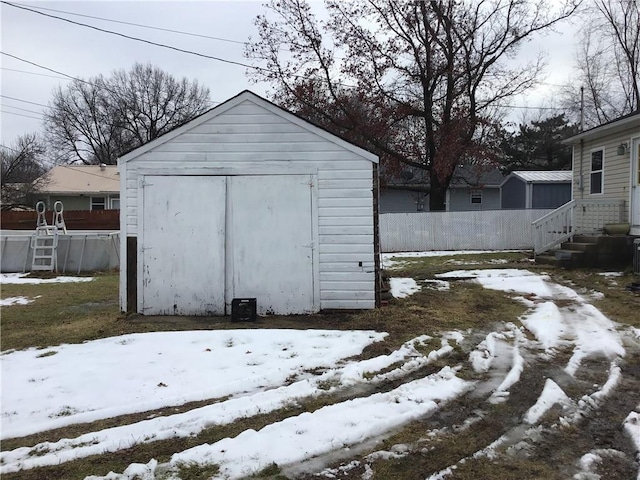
248, 201
536, 189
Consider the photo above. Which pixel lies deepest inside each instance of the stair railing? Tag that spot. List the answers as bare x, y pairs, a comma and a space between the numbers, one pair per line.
554, 228
576, 217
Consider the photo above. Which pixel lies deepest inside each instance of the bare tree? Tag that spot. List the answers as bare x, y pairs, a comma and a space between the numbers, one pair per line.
82, 124
151, 102
608, 62
97, 120
430, 74
22, 171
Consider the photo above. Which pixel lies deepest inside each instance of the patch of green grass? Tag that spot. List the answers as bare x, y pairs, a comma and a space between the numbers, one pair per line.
426, 267
270, 471
47, 354
427, 346
65, 411
506, 469
619, 304
56, 317
195, 471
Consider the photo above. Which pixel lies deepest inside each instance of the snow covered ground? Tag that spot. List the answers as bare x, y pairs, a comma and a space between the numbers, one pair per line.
263, 370
105, 378
25, 279
7, 302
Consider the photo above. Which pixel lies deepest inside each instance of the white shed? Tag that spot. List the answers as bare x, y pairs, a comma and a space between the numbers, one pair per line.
248, 201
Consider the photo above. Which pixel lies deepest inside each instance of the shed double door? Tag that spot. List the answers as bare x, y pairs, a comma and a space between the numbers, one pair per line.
209, 239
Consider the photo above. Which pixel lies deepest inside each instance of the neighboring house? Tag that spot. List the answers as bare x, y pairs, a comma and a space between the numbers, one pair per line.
606, 169
82, 187
404, 198
406, 191
536, 189
474, 187
248, 201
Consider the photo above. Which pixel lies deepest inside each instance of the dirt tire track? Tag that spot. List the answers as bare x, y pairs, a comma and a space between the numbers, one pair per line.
553, 453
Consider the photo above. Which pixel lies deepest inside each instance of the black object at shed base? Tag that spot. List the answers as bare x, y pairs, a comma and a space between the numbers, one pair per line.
634, 287
243, 310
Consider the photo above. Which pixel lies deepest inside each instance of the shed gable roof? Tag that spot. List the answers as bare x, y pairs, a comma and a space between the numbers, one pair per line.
247, 95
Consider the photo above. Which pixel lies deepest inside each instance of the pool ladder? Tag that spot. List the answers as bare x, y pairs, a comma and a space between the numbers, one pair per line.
44, 243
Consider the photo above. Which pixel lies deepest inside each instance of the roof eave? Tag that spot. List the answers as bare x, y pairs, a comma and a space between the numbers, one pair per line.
602, 129
230, 103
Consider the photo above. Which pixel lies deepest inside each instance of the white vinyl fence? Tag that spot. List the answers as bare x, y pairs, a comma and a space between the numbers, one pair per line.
480, 230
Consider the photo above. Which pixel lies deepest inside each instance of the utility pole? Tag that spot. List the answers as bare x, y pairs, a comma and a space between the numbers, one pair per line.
582, 109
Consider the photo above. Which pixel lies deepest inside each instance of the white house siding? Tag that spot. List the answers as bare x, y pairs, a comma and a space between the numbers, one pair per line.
616, 168
250, 139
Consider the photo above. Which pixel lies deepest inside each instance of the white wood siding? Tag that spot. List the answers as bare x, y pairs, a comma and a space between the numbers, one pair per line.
617, 168
247, 138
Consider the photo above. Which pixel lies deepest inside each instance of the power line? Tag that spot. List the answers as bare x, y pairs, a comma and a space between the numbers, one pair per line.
24, 101
526, 107
58, 72
61, 73
21, 115
162, 45
141, 25
47, 68
170, 47
23, 109
81, 170
30, 73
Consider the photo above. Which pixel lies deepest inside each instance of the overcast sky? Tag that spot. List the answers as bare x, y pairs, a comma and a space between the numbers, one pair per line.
81, 52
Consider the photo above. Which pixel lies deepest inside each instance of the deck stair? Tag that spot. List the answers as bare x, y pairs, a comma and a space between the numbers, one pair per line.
573, 235
590, 251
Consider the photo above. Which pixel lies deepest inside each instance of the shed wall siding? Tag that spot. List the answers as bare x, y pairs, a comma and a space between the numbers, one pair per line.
514, 194
616, 168
550, 195
248, 137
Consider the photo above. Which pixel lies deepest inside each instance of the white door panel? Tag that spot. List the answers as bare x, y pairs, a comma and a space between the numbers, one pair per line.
272, 242
183, 244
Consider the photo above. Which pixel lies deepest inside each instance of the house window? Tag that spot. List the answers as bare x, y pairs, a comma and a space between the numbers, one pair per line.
476, 196
114, 202
97, 203
597, 171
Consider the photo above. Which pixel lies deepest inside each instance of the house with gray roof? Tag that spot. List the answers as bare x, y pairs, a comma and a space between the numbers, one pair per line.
473, 187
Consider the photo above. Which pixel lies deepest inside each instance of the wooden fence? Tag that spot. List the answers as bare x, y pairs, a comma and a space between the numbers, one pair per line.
74, 220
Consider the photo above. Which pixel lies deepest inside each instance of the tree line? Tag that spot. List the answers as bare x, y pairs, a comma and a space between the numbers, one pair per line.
424, 84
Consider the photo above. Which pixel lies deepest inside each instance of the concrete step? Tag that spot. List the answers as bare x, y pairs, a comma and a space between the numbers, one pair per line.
569, 258
580, 246
590, 251
546, 259
587, 238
